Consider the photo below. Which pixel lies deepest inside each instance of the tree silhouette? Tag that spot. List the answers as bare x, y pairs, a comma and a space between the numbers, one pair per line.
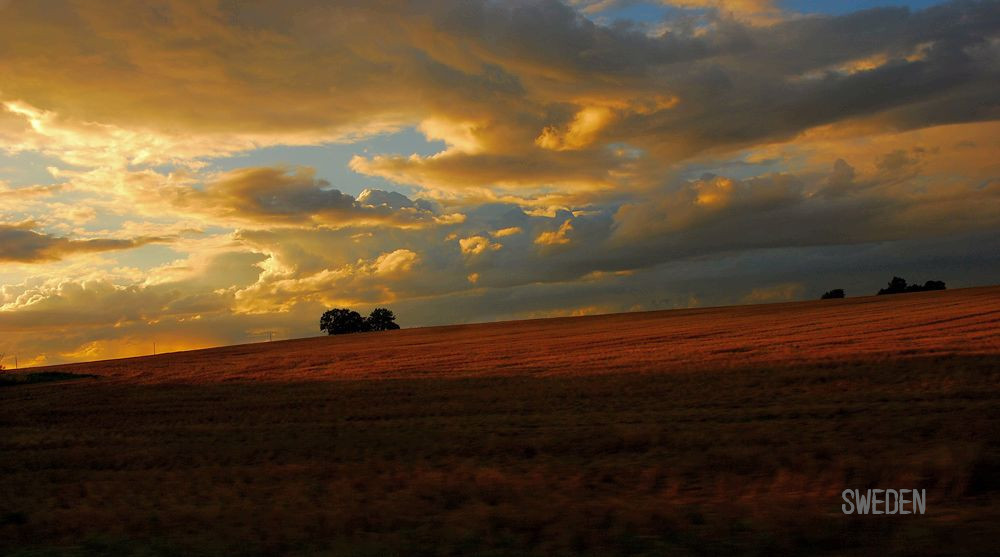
340, 321
898, 286
382, 319
934, 285
832, 294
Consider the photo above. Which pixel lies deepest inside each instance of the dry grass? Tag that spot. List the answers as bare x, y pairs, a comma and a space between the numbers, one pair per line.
696, 432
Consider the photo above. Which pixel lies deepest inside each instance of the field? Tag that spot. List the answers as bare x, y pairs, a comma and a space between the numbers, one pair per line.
692, 432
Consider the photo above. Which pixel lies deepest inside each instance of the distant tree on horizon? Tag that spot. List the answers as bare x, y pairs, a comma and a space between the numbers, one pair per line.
898, 285
340, 321
934, 285
833, 294
382, 319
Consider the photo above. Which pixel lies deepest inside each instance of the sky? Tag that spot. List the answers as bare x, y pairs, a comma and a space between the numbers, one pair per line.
200, 173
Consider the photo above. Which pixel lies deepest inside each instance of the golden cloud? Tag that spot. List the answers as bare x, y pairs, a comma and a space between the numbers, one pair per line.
509, 231
556, 237
476, 245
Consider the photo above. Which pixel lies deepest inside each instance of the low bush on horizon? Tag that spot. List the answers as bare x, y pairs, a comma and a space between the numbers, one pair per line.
833, 294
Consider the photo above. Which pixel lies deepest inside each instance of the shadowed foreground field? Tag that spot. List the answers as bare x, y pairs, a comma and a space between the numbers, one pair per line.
695, 432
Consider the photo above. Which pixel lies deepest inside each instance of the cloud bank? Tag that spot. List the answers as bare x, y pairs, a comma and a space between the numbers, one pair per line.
731, 152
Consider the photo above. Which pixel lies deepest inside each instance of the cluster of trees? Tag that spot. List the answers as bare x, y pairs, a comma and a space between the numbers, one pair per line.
340, 321
896, 286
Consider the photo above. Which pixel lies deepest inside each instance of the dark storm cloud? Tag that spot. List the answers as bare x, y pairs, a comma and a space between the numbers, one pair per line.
261, 196
19, 243
732, 86
934, 66
311, 66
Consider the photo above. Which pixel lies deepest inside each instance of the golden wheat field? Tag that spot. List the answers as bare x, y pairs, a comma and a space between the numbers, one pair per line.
690, 432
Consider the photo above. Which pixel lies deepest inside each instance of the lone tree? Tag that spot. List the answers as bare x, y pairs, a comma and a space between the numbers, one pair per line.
341, 321
835, 293
898, 286
382, 319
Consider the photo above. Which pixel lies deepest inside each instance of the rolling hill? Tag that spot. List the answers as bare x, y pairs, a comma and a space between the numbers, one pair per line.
949, 323
692, 432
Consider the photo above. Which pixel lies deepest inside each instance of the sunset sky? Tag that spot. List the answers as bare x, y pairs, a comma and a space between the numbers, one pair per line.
198, 172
